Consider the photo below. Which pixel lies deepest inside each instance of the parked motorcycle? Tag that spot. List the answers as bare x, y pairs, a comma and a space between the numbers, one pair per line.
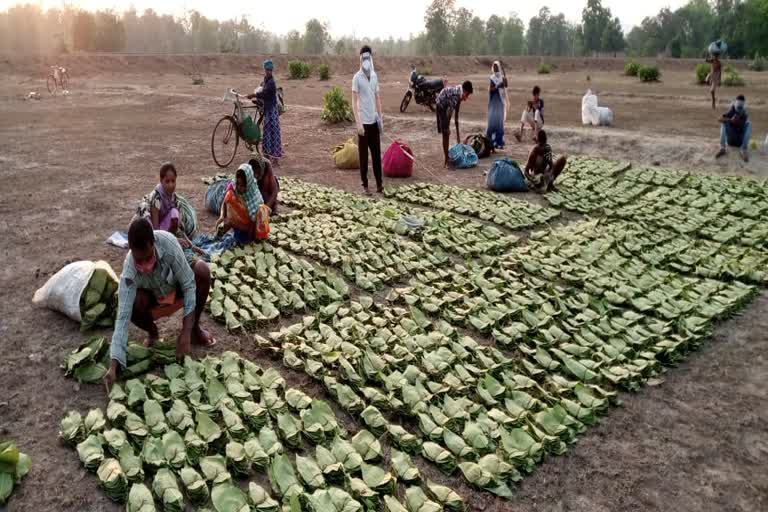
425, 90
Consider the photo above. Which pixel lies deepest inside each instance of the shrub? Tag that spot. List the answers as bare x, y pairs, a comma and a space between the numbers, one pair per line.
336, 107
544, 69
702, 71
324, 72
759, 64
631, 68
732, 77
298, 70
649, 73
424, 70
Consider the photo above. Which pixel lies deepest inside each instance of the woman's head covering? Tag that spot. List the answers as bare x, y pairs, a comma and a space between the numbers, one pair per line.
252, 196
497, 76
269, 65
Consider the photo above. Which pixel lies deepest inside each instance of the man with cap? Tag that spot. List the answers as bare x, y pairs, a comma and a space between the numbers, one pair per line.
366, 105
736, 129
267, 92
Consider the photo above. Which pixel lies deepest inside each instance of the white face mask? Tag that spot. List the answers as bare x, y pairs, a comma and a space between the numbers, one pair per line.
366, 65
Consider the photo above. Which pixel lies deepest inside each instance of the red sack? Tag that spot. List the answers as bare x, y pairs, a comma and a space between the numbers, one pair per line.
398, 161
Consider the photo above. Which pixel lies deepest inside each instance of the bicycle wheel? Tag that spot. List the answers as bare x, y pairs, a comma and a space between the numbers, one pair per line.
65, 81
224, 141
50, 83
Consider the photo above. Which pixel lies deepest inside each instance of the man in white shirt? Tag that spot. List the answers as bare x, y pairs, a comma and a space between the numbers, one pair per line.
366, 105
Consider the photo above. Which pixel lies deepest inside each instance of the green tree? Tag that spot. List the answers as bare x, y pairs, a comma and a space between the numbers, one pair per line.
110, 32
315, 37
512, 37
594, 19
294, 43
84, 32
462, 32
438, 21
494, 28
612, 40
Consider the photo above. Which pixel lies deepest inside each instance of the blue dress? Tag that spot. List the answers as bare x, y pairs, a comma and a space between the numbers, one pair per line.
495, 130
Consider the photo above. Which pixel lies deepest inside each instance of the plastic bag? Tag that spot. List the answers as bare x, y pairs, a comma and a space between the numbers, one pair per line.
718, 47
462, 156
505, 176
63, 290
589, 114
346, 155
398, 161
214, 196
604, 116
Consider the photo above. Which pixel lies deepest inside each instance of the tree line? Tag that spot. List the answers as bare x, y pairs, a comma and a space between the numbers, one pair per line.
448, 30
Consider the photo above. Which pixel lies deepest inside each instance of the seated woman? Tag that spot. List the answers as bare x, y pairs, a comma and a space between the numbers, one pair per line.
542, 169
167, 211
241, 210
268, 184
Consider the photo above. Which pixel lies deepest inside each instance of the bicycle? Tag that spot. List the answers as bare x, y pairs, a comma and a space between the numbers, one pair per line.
234, 127
58, 77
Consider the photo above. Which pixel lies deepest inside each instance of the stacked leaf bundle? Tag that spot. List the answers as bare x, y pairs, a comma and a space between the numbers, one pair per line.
89, 362
368, 257
98, 302
617, 319
14, 466
254, 284
588, 185
488, 206
448, 231
661, 248
476, 409
201, 427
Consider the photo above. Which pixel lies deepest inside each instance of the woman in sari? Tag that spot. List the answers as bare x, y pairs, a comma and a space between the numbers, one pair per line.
240, 210
268, 184
497, 106
267, 93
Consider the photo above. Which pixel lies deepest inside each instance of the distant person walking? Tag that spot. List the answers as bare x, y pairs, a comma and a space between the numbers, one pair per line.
366, 105
448, 103
736, 129
267, 92
533, 115
497, 105
715, 74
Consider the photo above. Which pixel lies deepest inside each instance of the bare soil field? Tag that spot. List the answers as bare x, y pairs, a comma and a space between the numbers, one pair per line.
73, 168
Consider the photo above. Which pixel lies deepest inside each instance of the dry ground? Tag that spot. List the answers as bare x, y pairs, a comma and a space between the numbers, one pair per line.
73, 167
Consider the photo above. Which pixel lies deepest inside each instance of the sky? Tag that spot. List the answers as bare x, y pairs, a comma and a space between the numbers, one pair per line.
363, 18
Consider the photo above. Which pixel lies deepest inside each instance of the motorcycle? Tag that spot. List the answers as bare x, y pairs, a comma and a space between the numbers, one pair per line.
425, 90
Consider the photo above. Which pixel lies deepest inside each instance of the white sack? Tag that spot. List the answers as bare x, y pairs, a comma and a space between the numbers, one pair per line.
63, 290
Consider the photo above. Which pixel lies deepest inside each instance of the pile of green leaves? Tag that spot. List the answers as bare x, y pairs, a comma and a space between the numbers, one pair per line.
90, 361
14, 466
98, 303
488, 206
194, 432
255, 284
367, 256
442, 229
702, 72
476, 409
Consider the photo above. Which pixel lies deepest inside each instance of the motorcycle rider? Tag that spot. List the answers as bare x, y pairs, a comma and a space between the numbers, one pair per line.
448, 102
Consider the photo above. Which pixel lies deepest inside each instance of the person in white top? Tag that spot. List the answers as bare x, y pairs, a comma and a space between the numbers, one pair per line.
366, 105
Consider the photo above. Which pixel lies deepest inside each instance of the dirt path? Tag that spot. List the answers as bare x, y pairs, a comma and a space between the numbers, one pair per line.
73, 168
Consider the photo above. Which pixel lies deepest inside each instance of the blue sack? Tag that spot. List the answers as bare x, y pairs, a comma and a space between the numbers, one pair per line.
505, 176
462, 156
214, 197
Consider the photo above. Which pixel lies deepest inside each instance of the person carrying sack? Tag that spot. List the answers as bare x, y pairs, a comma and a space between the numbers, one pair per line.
366, 105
